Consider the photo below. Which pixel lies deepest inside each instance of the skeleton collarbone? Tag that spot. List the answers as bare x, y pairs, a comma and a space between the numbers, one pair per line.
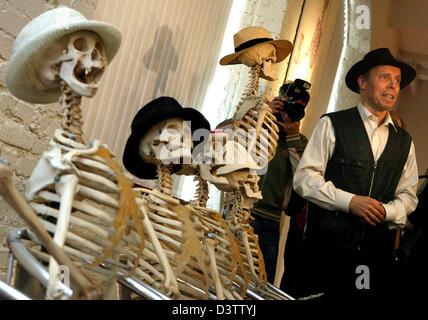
57, 161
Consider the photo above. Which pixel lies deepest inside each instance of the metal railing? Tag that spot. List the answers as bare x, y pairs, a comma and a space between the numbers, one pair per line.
35, 269
19, 252
10, 293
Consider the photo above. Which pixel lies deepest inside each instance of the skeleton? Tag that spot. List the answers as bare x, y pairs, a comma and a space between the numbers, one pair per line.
79, 191
205, 251
230, 262
253, 128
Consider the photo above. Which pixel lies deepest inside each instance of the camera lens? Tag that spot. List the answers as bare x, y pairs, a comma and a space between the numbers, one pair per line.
278, 117
294, 110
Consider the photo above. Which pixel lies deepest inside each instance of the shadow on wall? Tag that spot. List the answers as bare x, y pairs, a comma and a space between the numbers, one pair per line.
161, 58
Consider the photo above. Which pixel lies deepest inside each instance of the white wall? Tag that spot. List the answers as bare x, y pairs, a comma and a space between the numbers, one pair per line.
169, 48
414, 111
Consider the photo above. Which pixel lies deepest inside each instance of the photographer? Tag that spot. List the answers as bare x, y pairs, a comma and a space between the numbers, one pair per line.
276, 184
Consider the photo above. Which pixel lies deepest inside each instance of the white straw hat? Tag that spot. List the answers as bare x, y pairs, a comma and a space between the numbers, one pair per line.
41, 33
251, 37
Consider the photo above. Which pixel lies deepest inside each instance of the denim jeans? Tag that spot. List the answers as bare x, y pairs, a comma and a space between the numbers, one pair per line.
268, 233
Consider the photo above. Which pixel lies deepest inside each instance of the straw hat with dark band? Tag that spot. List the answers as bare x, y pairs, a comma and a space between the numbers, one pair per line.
251, 37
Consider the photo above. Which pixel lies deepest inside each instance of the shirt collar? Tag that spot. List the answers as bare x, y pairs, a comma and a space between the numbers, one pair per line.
365, 113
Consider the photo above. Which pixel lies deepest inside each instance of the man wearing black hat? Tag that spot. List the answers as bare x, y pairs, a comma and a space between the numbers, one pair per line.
360, 176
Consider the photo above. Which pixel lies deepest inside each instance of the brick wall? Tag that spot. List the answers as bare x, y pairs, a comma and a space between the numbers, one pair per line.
25, 129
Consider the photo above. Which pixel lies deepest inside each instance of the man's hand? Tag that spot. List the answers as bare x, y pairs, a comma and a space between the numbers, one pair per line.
276, 105
286, 125
369, 210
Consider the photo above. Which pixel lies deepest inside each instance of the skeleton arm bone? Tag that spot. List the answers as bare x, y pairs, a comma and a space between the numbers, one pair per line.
170, 280
70, 155
66, 188
211, 244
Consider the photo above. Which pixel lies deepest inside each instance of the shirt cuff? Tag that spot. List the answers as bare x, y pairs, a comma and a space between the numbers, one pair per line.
292, 137
343, 199
393, 218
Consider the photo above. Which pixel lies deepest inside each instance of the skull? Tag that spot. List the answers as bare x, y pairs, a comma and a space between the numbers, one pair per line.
78, 59
169, 141
242, 177
250, 189
232, 167
263, 55
245, 181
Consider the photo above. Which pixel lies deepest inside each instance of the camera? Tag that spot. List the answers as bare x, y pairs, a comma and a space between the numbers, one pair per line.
297, 90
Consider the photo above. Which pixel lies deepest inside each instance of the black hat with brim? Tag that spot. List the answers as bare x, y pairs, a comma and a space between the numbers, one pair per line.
155, 111
377, 57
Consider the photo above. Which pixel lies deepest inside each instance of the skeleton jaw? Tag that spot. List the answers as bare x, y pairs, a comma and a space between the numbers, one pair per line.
267, 71
172, 156
83, 81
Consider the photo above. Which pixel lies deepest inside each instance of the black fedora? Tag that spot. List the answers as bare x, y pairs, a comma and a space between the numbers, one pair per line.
378, 57
153, 112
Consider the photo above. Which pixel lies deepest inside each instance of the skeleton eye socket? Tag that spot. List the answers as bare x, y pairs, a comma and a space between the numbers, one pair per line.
94, 54
99, 47
80, 44
173, 128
